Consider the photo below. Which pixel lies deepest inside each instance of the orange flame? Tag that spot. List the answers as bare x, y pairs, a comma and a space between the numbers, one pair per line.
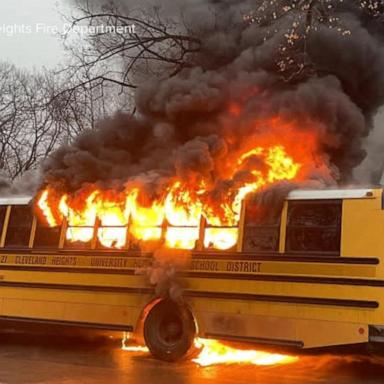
174, 218
45, 208
213, 352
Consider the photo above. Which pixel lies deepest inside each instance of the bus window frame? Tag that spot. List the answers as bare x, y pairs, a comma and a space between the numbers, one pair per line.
33, 232
240, 239
63, 233
5, 226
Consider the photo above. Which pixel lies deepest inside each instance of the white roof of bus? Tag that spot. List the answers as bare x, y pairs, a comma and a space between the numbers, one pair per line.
330, 194
15, 200
294, 195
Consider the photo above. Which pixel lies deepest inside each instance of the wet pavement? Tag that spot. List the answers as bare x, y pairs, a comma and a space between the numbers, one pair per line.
27, 358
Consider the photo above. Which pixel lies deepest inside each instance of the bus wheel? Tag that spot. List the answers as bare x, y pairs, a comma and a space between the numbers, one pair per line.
169, 331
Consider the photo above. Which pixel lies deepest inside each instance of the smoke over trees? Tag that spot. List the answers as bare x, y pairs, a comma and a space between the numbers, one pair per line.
317, 63
312, 61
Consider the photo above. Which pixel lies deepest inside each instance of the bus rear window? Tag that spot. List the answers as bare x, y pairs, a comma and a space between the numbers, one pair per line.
314, 226
19, 227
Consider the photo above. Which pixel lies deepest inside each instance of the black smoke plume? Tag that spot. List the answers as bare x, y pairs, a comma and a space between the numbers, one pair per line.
183, 121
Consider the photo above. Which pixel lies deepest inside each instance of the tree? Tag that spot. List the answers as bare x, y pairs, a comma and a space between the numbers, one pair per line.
29, 131
126, 47
162, 46
306, 17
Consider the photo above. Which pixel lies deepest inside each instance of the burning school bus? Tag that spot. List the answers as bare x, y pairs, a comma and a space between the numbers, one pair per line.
309, 274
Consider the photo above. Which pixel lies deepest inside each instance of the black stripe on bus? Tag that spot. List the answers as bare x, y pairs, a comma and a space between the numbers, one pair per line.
284, 299
202, 294
78, 287
108, 327
286, 278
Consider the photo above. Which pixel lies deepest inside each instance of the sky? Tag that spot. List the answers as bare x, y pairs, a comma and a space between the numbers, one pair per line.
27, 32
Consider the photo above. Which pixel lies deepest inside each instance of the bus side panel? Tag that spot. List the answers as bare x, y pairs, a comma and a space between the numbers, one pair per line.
119, 310
305, 333
363, 229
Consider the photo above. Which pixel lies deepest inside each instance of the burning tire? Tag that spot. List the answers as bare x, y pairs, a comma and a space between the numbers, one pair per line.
169, 331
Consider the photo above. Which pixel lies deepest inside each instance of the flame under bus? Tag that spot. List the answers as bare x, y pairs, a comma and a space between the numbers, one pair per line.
310, 274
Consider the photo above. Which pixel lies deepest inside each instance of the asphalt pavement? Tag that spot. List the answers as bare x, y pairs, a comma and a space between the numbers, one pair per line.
78, 357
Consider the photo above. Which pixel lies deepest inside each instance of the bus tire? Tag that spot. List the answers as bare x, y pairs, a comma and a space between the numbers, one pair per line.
169, 331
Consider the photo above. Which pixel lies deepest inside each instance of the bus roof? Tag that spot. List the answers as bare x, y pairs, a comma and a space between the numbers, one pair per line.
324, 194
319, 194
15, 200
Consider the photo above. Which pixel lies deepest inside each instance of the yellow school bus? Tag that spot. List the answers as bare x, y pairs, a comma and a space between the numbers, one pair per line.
308, 274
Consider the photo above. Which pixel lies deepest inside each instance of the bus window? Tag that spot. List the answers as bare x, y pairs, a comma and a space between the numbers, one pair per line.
46, 236
261, 227
111, 236
19, 227
79, 237
314, 226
